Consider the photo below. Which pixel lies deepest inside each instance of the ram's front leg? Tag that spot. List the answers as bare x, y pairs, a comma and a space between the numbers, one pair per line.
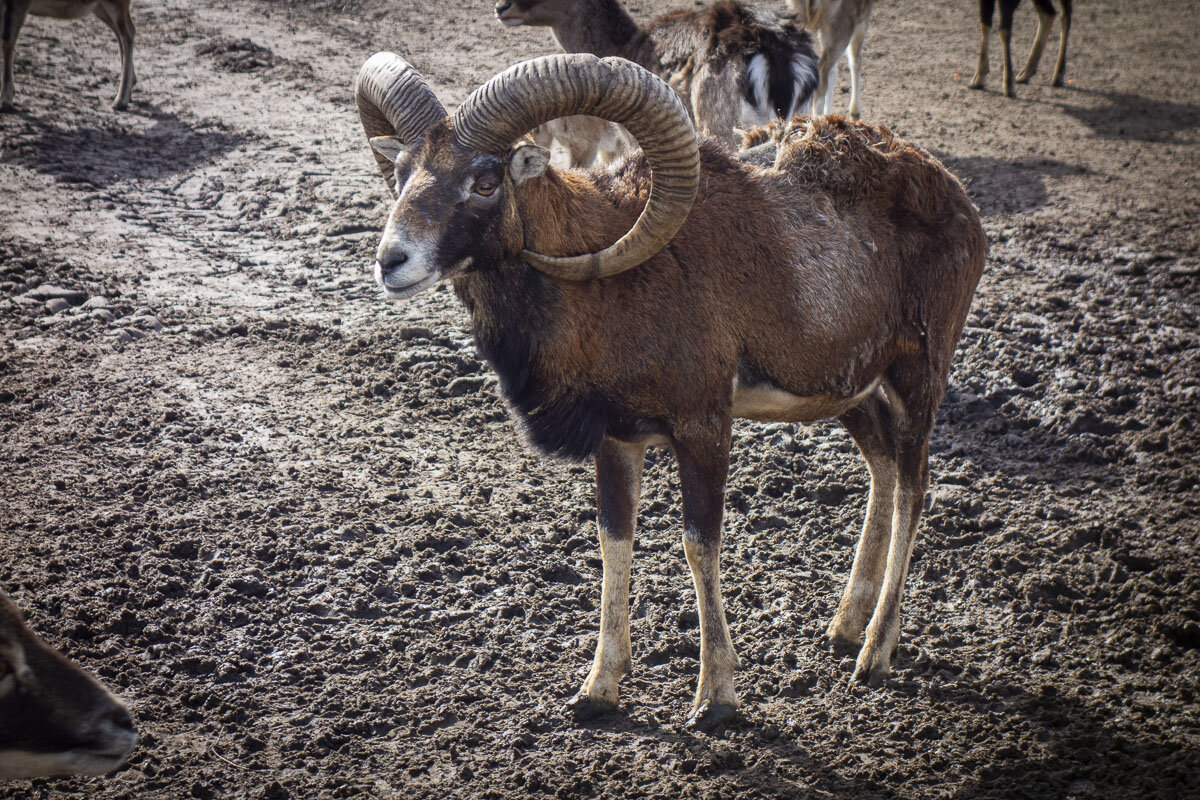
703, 466
618, 486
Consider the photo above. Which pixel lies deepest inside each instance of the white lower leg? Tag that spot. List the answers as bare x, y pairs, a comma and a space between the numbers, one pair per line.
718, 661
830, 88
870, 558
613, 650
883, 632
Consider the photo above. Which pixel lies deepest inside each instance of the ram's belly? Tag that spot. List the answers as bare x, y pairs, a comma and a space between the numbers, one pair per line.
62, 9
766, 402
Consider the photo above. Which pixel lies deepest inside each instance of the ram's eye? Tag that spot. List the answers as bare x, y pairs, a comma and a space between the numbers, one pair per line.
485, 188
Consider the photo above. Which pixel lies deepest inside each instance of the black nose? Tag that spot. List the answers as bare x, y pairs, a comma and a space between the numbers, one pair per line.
120, 718
504, 6
391, 262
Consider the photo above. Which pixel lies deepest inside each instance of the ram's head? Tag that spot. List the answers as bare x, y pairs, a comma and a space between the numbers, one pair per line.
457, 178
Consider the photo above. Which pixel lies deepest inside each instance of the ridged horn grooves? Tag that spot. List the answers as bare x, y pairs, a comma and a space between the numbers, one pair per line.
394, 100
533, 92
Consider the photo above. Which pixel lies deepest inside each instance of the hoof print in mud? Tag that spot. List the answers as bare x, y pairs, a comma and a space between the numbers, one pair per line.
585, 709
711, 716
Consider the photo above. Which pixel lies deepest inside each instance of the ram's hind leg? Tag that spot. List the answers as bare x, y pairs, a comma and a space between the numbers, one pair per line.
618, 486
915, 395
870, 426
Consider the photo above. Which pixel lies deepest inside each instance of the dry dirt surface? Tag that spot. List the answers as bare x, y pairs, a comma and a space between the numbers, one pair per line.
293, 524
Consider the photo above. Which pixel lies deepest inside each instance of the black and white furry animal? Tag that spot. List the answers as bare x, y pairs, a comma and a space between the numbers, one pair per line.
734, 65
1046, 14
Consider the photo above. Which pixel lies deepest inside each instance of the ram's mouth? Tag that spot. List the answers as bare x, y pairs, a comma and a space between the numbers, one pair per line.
509, 21
402, 292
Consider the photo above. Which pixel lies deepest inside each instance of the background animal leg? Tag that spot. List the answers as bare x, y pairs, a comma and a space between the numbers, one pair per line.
703, 467
1005, 38
119, 20
831, 86
11, 20
1007, 7
981, 67
854, 61
987, 8
618, 486
1060, 66
1046, 15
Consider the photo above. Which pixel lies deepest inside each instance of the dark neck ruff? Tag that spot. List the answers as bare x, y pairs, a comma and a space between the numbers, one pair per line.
513, 310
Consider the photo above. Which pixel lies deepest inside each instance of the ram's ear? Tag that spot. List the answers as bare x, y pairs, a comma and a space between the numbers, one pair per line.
389, 147
527, 160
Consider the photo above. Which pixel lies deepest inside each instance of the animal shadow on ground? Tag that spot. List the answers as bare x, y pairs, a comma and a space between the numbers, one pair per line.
762, 780
1133, 117
1007, 439
1058, 746
1000, 186
1064, 747
101, 156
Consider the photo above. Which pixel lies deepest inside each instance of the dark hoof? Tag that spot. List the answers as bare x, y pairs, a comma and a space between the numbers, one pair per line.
1057, 83
584, 708
976, 86
874, 678
842, 647
710, 716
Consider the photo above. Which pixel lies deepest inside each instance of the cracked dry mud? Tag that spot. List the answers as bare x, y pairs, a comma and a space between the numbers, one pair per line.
293, 524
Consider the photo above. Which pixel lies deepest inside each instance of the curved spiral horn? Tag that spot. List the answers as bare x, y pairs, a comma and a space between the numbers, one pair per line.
533, 92
394, 100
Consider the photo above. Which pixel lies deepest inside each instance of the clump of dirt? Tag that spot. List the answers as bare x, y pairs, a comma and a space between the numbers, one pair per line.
238, 55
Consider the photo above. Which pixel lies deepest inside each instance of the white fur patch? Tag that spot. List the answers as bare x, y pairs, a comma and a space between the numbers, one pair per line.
769, 403
416, 274
804, 82
757, 76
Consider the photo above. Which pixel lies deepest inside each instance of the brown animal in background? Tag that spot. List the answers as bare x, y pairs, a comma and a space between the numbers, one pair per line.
115, 14
587, 140
1046, 14
55, 719
736, 65
841, 28
833, 283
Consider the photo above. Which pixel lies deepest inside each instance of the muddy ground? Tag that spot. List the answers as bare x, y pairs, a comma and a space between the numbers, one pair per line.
292, 523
